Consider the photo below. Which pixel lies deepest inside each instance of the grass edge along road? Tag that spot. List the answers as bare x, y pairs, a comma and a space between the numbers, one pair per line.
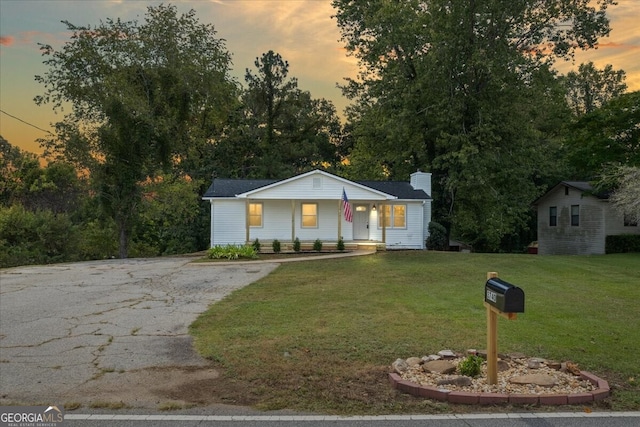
320, 335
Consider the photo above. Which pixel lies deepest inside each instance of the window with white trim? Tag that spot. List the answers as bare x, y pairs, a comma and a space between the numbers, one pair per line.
393, 216
255, 214
309, 215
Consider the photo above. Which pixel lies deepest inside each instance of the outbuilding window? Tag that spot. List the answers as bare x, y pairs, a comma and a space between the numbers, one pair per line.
575, 215
553, 216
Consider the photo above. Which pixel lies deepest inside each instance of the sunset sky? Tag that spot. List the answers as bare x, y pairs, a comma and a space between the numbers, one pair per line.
302, 31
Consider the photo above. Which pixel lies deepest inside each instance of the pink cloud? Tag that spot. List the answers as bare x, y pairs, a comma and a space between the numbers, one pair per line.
6, 40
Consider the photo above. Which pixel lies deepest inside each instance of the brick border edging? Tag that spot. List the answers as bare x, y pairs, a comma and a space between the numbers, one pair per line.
469, 398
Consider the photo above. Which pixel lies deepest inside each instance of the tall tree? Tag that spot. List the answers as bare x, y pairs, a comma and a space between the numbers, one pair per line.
144, 97
590, 88
465, 90
280, 129
607, 135
626, 198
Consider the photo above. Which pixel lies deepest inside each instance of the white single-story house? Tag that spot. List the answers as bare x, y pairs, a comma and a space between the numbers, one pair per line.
572, 220
310, 206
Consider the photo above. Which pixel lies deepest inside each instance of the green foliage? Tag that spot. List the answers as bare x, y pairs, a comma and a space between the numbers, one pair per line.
439, 91
317, 245
256, 245
280, 130
143, 97
438, 239
622, 243
231, 252
296, 245
340, 244
607, 135
97, 239
590, 88
39, 237
167, 218
275, 245
470, 366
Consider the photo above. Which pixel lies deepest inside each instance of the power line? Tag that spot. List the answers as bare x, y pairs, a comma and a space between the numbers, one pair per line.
26, 123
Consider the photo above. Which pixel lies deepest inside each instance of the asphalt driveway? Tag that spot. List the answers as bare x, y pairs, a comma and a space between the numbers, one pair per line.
65, 328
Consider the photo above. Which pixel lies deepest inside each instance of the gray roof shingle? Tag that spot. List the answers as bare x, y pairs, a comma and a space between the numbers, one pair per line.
233, 187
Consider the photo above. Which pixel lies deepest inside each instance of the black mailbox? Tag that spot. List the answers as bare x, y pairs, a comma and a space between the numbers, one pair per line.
504, 296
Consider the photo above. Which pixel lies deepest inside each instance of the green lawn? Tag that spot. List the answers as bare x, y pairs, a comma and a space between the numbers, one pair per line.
320, 335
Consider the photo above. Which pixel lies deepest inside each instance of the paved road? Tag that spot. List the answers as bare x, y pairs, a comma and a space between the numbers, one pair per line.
63, 325
630, 419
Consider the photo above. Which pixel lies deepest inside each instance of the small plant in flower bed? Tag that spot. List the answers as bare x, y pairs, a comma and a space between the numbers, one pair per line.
296, 245
317, 245
275, 245
471, 366
256, 245
232, 252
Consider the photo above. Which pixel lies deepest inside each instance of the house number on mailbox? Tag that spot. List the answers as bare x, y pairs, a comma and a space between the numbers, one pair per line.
492, 296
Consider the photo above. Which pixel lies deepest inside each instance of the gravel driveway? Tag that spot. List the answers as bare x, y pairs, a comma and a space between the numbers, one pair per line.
106, 330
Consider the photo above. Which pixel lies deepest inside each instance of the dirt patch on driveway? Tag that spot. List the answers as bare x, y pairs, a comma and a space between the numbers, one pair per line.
178, 386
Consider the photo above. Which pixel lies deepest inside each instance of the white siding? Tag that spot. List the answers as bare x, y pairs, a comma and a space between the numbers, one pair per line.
228, 216
328, 217
228, 222
276, 220
411, 237
306, 188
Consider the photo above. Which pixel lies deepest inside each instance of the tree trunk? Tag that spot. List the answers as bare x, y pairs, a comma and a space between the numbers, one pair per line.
123, 251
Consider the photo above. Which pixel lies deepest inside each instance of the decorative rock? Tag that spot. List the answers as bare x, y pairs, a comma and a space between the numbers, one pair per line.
472, 352
447, 354
535, 379
503, 366
439, 367
413, 361
535, 363
573, 368
482, 353
458, 381
399, 366
554, 365
517, 356
431, 357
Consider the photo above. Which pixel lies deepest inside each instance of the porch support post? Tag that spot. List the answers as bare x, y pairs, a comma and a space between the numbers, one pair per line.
247, 222
384, 224
339, 219
293, 220
211, 219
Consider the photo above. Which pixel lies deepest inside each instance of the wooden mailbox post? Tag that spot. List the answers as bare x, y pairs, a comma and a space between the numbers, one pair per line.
501, 299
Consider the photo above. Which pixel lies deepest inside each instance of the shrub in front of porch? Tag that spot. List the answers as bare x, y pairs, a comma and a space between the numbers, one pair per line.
232, 252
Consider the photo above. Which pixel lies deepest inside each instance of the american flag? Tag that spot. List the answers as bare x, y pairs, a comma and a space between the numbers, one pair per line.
346, 207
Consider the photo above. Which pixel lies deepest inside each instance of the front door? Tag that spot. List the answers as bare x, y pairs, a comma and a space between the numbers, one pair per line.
361, 222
